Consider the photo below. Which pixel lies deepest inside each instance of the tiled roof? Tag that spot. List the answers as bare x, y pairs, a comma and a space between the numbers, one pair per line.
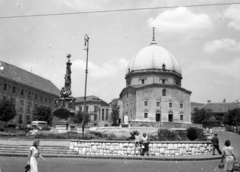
91, 99
196, 105
24, 77
221, 107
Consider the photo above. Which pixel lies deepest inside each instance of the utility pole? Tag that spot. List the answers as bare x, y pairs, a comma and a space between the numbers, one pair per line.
86, 40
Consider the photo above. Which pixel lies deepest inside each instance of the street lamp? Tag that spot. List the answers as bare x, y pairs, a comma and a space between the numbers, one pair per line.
86, 40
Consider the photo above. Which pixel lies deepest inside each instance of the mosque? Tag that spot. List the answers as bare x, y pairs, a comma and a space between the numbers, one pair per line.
153, 92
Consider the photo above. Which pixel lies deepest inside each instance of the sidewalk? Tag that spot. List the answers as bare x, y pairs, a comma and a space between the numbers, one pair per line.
46, 142
29, 141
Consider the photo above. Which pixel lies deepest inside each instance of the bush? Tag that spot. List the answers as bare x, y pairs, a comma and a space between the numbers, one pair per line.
165, 134
11, 126
111, 136
57, 136
194, 133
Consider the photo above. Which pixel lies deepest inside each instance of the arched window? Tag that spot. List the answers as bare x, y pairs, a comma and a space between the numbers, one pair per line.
142, 81
164, 92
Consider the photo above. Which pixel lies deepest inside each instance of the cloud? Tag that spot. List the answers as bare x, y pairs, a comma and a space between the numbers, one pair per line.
226, 43
104, 70
233, 14
180, 19
226, 70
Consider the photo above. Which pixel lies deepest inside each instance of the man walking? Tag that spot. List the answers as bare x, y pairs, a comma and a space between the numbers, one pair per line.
215, 142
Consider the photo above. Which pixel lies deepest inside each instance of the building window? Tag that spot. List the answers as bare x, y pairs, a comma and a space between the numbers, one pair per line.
181, 105
4, 97
28, 118
102, 114
170, 105
145, 103
164, 92
158, 104
29, 94
22, 92
86, 109
170, 117
145, 115
20, 119
107, 110
13, 100
80, 108
41, 98
50, 100
45, 99
95, 117
21, 103
28, 107
99, 112
142, 81
35, 106
181, 117
36, 96
13, 89
5, 86
95, 108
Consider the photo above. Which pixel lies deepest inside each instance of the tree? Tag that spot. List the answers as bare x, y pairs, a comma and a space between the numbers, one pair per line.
79, 117
7, 110
43, 113
233, 117
115, 112
202, 115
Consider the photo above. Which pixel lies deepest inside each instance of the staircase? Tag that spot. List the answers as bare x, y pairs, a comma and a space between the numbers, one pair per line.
47, 151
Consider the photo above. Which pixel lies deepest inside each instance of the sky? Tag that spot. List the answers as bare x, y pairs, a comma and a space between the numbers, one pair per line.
204, 39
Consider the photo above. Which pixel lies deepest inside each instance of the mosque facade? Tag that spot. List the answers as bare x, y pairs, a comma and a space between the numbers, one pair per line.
153, 92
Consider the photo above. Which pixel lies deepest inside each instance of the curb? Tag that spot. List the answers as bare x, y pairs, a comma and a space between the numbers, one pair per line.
164, 158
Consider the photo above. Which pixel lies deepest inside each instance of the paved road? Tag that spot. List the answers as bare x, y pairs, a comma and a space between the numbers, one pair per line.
14, 164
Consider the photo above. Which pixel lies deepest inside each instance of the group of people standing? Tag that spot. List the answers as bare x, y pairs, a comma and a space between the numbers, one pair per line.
142, 144
228, 155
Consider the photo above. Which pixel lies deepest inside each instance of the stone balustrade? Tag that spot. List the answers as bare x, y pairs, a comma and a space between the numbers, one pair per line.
127, 148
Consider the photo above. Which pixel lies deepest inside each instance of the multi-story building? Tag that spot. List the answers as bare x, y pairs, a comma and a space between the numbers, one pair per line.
26, 90
153, 92
99, 110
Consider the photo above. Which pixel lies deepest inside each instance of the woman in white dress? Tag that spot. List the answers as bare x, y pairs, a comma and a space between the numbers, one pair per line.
33, 156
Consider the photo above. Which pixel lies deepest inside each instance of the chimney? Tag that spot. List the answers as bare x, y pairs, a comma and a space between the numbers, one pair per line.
224, 100
209, 101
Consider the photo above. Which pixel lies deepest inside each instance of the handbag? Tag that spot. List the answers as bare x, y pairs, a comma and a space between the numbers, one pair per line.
27, 168
236, 166
221, 165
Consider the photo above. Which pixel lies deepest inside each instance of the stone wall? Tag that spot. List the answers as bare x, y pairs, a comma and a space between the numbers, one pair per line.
125, 148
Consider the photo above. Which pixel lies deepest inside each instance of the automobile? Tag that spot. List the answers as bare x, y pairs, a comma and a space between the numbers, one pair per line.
36, 126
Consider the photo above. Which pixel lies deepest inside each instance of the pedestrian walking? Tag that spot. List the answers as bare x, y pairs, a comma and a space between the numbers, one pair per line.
145, 141
215, 142
228, 157
34, 154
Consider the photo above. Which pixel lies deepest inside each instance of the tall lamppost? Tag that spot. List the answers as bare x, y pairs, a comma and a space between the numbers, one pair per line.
86, 40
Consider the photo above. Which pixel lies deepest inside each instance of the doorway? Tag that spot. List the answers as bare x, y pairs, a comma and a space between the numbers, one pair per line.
158, 117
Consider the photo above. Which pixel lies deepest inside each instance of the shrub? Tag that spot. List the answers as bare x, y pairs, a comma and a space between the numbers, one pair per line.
57, 136
11, 126
96, 133
111, 136
165, 134
194, 133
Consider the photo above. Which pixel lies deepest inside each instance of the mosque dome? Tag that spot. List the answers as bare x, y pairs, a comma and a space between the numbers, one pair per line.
154, 57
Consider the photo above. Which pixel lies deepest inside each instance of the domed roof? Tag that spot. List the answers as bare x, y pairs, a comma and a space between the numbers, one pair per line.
153, 57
